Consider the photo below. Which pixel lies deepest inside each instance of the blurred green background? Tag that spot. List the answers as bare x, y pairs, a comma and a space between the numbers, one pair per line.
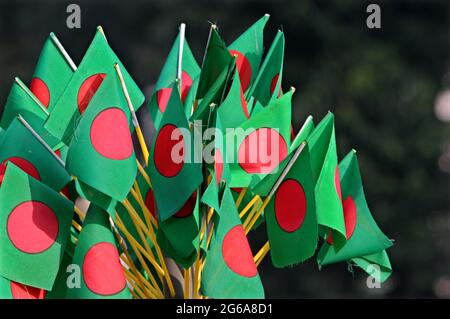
387, 88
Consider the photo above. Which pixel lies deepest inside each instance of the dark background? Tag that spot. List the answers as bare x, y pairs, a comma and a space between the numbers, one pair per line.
381, 84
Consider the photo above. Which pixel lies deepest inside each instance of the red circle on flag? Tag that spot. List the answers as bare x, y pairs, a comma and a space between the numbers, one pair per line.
261, 151
237, 254
168, 137
150, 202
349, 216
337, 183
290, 205
88, 89
162, 98
188, 207
218, 165
102, 271
20, 291
186, 83
32, 227
41, 91
21, 163
244, 69
110, 135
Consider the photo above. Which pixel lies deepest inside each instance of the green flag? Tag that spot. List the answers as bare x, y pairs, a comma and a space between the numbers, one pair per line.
178, 235
229, 270
322, 148
377, 265
173, 167
103, 140
248, 48
233, 110
217, 58
268, 82
291, 219
14, 290
22, 101
21, 148
34, 227
97, 256
362, 233
162, 89
51, 75
97, 63
262, 142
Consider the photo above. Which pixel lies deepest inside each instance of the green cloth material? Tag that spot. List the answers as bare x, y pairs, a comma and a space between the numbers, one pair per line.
34, 228
98, 63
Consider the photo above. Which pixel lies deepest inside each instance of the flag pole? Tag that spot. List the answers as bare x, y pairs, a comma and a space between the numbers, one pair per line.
134, 119
180, 54
39, 138
261, 253
31, 95
63, 51
275, 186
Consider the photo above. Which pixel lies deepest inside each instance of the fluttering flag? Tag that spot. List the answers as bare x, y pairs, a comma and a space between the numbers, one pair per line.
219, 167
229, 270
52, 73
21, 148
14, 290
34, 228
97, 64
97, 256
248, 48
291, 218
217, 58
101, 153
22, 101
233, 110
376, 265
174, 168
267, 85
325, 172
363, 235
262, 142
178, 235
162, 89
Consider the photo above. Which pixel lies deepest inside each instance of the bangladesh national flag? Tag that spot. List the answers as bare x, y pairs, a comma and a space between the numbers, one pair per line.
51, 75
303, 134
34, 228
101, 153
291, 213
97, 256
248, 48
178, 235
362, 233
22, 101
97, 63
21, 148
15, 290
377, 265
220, 171
217, 58
174, 169
229, 270
163, 90
325, 172
233, 110
262, 142
268, 82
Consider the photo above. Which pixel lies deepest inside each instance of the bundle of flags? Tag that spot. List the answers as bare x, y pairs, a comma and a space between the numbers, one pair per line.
86, 213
